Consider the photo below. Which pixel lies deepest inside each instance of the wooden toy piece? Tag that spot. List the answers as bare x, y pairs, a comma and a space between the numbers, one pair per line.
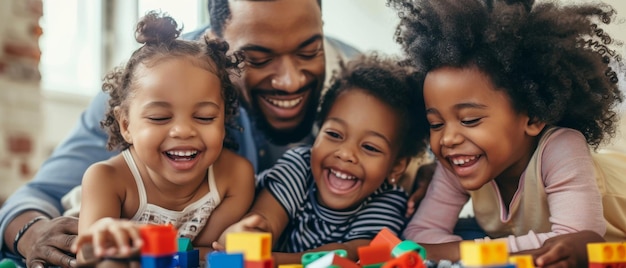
310, 257
487, 253
522, 261
613, 253
409, 259
332, 259
290, 266
217, 259
254, 246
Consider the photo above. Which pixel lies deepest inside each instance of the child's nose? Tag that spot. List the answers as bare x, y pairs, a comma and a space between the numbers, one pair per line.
346, 153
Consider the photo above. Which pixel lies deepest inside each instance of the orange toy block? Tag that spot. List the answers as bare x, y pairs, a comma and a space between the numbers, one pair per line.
254, 246
522, 261
158, 240
387, 238
373, 254
409, 259
269, 263
606, 252
486, 253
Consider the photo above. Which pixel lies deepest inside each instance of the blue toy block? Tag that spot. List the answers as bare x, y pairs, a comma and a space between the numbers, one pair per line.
165, 261
187, 259
218, 259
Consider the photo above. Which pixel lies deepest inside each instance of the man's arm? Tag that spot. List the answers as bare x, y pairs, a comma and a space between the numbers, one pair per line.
58, 175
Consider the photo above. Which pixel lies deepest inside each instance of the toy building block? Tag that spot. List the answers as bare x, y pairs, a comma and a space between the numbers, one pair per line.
188, 259
7, 263
310, 257
268, 263
158, 240
606, 252
290, 266
387, 238
409, 259
487, 253
254, 246
406, 246
373, 254
217, 259
522, 261
164, 261
331, 259
184, 244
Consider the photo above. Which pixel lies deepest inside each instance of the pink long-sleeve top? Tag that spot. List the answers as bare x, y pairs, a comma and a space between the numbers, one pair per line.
557, 194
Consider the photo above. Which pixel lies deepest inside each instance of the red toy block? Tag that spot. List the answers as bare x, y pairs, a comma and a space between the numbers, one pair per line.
268, 263
330, 260
158, 240
409, 259
387, 238
373, 254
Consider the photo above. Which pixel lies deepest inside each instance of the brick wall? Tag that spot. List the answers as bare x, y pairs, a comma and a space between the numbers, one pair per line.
20, 96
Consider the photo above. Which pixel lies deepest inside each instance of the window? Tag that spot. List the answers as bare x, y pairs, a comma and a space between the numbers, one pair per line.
84, 39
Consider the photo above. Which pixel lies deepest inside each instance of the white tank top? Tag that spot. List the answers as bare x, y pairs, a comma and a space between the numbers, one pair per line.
189, 221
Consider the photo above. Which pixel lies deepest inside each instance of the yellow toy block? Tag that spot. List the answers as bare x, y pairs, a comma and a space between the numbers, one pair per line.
290, 266
522, 261
254, 246
484, 253
606, 252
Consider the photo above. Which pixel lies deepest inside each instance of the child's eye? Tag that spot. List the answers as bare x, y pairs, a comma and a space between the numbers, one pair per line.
371, 148
206, 119
158, 119
471, 122
332, 134
435, 126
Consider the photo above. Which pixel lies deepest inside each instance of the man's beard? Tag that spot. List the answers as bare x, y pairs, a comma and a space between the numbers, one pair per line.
284, 137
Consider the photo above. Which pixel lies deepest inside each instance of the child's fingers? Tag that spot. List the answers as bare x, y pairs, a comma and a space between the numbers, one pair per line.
80, 241
552, 257
255, 223
217, 246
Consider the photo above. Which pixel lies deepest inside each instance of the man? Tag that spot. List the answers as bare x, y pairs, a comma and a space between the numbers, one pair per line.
286, 59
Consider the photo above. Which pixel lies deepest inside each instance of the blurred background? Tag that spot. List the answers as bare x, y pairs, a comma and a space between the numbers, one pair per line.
42, 94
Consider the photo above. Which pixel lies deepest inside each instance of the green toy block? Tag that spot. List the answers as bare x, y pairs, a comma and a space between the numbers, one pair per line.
184, 244
406, 246
310, 257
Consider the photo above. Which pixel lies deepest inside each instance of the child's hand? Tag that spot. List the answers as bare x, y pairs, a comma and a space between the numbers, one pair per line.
568, 250
422, 180
110, 237
252, 223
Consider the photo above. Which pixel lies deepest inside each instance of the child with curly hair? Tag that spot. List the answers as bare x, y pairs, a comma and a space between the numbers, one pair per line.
169, 108
515, 93
340, 192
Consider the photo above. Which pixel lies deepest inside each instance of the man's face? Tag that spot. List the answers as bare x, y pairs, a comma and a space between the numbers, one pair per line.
284, 48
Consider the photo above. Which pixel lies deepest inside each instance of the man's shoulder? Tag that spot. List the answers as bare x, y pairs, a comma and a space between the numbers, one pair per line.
342, 48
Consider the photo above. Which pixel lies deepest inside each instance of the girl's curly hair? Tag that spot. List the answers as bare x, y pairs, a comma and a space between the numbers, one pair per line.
391, 83
553, 61
158, 33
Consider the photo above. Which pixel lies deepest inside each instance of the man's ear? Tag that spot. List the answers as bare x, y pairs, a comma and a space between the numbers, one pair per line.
122, 122
398, 169
534, 127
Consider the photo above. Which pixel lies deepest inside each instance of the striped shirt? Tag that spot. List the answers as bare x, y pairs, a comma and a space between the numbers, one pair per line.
310, 224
